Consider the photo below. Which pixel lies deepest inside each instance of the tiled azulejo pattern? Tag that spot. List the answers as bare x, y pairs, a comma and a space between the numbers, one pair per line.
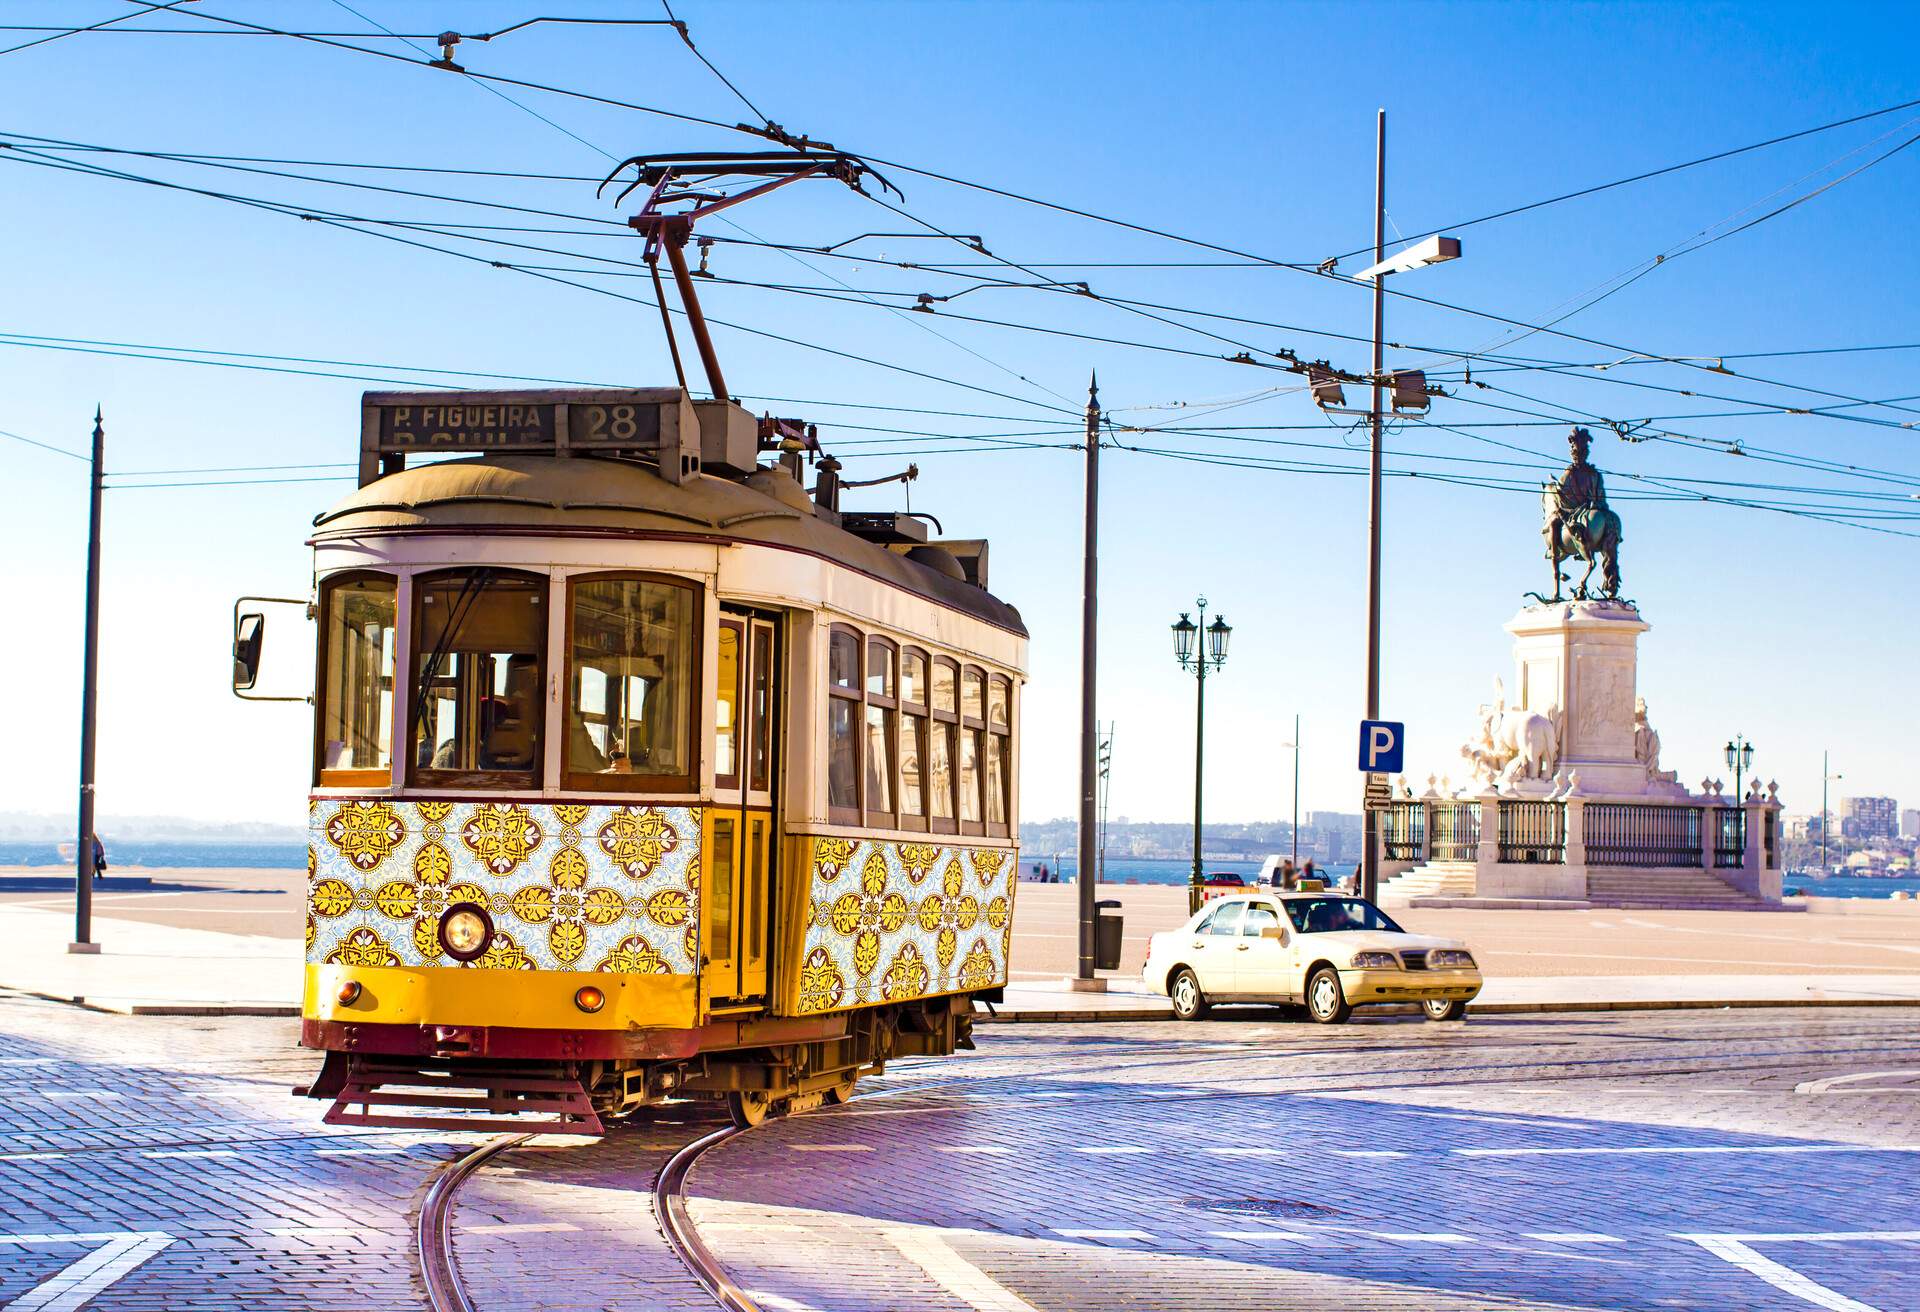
892, 921
569, 887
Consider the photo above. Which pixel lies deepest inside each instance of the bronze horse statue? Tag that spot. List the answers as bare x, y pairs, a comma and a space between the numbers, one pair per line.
1591, 533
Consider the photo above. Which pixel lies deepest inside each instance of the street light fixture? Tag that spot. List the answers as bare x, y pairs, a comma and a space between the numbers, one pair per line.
1434, 250
1739, 760
1198, 662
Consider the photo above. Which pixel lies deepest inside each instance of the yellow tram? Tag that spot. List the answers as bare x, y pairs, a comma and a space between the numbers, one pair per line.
640, 770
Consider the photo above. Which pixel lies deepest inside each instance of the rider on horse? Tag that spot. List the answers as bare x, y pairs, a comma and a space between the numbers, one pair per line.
1579, 520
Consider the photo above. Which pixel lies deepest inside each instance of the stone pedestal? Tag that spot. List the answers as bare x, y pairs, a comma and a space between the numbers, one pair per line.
1575, 662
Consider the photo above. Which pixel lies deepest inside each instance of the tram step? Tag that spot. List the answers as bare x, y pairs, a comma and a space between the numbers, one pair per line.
536, 1101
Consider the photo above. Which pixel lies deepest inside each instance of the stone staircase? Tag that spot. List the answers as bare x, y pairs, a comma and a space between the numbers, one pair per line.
1434, 879
1678, 889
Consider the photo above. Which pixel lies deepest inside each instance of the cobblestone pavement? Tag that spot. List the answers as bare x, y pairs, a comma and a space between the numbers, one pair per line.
1725, 1160
1652, 1160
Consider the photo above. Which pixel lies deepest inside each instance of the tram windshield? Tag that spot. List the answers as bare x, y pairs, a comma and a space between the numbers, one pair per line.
479, 634
356, 698
629, 714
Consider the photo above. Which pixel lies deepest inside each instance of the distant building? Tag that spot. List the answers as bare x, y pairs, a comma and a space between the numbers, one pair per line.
1910, 823
1869, 817
1800, 828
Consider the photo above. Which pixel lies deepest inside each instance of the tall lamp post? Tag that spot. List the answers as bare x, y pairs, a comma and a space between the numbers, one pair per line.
1295, 744
1197, 658
1432, 250
1739, 760
1826, 777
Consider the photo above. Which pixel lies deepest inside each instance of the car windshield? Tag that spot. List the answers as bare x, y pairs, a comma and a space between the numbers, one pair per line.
1329, 915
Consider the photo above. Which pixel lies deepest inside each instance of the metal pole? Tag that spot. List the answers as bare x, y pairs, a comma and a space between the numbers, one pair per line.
1824, 776
1199, 754
1296, 790
1087, 863
1370, 858
89, 695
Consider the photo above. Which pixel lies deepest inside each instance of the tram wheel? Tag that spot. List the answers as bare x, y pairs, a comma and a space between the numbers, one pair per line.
747, 1108
842, 1093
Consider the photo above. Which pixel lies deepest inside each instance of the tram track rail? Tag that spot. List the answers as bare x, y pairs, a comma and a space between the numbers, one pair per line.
446, 1291
676, 1223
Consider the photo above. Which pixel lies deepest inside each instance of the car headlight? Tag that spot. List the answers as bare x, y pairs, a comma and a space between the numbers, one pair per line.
1374, 961
465, 931
1449, 957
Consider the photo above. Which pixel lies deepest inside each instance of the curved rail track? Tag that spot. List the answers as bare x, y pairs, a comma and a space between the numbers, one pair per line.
446, 1292
434, 1231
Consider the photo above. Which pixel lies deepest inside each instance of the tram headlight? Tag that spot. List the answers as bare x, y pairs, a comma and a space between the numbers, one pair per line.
465, 931
589, 999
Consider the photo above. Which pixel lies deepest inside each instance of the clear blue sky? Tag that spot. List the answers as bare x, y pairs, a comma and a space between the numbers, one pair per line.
1248, 125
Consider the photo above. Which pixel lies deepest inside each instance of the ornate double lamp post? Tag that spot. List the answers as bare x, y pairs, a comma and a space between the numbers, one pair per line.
1739, 760
1199, 648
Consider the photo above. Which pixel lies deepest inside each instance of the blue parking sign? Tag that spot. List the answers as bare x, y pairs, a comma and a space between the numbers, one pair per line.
1382, 746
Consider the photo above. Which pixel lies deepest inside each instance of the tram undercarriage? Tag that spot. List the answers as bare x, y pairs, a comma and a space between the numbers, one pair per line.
400, 1076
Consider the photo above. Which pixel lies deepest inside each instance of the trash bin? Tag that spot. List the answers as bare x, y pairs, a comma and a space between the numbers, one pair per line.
1106, 934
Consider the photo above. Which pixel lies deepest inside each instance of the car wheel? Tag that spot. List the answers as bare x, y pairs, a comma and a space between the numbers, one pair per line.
1444, 1008
1189, 1003
1326, 1000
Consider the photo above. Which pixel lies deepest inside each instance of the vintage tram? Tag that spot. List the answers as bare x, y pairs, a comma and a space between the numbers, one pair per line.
641, 770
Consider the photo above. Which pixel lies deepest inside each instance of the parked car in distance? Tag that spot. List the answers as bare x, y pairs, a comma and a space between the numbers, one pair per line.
1219, 883
1331, 951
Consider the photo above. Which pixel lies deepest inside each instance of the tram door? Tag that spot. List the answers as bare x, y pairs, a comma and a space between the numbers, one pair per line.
739, 866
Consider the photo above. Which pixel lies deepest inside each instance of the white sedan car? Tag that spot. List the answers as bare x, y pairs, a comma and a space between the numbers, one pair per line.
1331, 951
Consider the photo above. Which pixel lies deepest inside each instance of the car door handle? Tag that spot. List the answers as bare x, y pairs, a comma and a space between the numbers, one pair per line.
1241, 947
1198, 943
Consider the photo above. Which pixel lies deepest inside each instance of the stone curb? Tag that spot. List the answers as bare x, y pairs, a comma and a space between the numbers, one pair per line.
1005, 1016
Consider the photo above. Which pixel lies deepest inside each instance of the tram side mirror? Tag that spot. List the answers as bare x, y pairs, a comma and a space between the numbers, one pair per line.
249, 633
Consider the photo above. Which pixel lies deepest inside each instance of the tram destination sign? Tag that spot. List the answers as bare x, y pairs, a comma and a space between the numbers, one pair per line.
510, 425
606, 420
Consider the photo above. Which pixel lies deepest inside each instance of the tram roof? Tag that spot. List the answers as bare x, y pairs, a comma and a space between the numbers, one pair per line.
587, 494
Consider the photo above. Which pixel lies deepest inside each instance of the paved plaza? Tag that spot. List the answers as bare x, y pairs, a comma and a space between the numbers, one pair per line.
1747, 1159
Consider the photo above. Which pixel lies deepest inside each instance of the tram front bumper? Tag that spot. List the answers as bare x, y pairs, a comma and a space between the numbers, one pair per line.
518, 999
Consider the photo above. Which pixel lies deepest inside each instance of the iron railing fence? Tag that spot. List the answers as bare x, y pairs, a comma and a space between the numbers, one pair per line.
1456, 831
1730, 838
1405, 831
1533, 833
1640, 834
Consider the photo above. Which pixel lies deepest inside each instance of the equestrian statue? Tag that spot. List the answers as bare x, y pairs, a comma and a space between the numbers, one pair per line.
1579, 523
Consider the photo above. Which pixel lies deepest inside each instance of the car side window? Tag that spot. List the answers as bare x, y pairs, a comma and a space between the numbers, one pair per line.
1205, 925
1227, 919
1260, 916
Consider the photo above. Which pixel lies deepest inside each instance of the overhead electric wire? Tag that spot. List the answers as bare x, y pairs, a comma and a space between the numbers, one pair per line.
1643, 177
61, 33
294, 212
46, 446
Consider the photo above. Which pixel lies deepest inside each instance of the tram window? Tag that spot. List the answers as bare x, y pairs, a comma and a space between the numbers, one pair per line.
726, 707
479, 636
942, 746
999, 753
843, 726
970, 776
973, 748
760, 696
632, 643
879, 668
843, 659
359, 614
913, 739
913, 678
879, 763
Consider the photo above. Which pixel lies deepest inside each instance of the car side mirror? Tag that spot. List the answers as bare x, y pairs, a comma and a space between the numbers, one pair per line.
1275, 931
249, 634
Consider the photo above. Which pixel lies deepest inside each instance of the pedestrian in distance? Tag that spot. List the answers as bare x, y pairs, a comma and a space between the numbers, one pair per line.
1286, 875
1307, 872
99, 856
